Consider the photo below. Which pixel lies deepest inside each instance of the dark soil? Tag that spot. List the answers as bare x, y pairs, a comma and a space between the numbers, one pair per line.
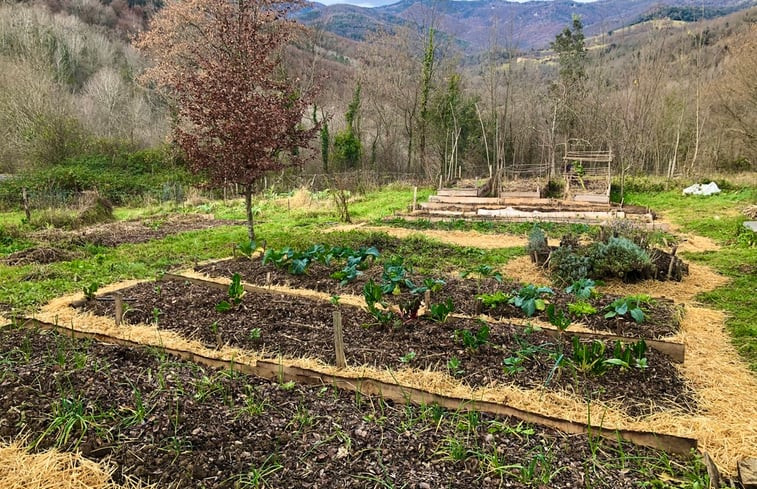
662, 317
174, 423
133, 231
302, 327
41, 255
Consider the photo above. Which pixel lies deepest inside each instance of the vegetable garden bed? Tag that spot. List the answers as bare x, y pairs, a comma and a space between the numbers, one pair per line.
662, 317
474, 352
170, 421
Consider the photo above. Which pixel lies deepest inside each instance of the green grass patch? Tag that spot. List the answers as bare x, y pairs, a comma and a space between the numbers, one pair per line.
717, 217
738, 298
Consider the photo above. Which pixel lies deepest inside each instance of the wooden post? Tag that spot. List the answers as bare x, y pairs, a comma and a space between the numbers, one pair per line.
427, 299
671, 265
268, 279
341, 361
25, 199
119, 306
415, 198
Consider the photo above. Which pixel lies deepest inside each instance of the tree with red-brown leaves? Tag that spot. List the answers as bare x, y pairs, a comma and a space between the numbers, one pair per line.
238, 116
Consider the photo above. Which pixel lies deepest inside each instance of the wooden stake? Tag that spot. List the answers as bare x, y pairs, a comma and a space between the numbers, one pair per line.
427, 299
268, 279
341, 361
119, 306
25, 199
671, 265
415, 198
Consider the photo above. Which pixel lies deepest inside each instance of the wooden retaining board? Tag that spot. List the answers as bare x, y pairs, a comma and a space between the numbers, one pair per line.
457, 192
676, 351
400, 394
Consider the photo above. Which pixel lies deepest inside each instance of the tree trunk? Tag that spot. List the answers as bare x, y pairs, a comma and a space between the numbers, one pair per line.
248, 208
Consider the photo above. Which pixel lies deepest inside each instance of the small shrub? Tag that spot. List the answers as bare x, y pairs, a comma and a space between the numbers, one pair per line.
537, 241
567, 265
620, 257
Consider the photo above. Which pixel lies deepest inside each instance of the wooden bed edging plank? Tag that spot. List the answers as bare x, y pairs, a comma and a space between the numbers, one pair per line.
675, 351
397, 393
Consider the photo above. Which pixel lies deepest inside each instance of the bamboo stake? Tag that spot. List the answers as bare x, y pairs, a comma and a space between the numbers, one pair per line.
341, 361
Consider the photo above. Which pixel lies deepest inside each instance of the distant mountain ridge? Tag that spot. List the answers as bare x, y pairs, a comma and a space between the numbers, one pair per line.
525, 25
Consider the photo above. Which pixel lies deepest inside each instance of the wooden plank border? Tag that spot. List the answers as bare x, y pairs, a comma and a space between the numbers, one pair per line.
397, 393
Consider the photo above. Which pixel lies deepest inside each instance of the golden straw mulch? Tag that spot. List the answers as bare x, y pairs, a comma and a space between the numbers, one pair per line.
523, 270
52, 469
726, 426
459, 238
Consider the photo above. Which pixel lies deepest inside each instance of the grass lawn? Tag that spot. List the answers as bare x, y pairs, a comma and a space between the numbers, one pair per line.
719, 217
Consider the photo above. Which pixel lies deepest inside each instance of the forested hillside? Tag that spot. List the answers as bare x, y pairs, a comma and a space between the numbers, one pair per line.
68, 88
669, 97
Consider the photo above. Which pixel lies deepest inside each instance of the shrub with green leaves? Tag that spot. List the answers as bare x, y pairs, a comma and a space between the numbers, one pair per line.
622, 258
568, 265
537, 241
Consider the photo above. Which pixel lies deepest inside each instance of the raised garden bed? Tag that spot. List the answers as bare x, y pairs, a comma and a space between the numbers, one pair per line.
662, 317
169, 421
300, 327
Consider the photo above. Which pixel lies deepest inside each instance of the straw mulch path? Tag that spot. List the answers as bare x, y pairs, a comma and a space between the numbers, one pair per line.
458, 238
52, 469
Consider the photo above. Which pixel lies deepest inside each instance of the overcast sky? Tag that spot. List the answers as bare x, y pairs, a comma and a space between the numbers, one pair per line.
378, 3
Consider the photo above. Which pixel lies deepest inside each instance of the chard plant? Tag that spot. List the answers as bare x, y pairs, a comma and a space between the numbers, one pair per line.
584, 288
474, 340
440, 312
373, 295
530, 299
481, 272
455, 367
626, 356
589, 357
235, 292
630, 305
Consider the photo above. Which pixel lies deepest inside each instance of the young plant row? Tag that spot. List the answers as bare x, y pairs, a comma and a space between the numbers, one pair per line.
395, 280
532, 299
298, 262
586, 357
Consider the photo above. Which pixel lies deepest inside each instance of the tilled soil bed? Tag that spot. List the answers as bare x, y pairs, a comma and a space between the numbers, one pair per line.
175, 423
300, 327
133, 231
662, 317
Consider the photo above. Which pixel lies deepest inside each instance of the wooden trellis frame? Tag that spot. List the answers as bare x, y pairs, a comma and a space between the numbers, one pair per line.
594, 167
